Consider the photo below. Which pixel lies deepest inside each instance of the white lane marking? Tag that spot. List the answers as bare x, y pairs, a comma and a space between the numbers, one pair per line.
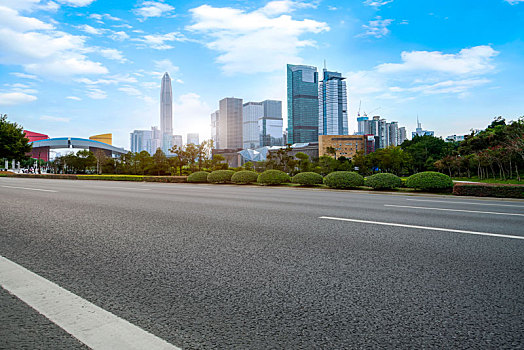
423, 227
459, 210
30, 189
469, 203
92, 325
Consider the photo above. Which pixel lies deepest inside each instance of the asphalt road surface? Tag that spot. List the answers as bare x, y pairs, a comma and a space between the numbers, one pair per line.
234, 267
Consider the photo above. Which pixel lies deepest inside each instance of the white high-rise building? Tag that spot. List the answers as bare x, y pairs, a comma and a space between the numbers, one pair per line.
214, 128
177, 140
166, 113
141, 141
193, 138
230, 123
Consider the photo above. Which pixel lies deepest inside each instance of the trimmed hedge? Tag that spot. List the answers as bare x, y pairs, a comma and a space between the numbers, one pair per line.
489, 190
48, 176
383, 181
430, 181
273, 177
111, 177
199, 176
343, 179
220, 176
166, 179
307, 179
244, 177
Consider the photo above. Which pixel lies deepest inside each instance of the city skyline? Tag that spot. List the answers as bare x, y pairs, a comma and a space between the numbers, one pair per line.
105, 75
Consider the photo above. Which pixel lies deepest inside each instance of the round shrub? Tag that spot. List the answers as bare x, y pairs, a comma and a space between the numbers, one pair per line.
430, 181
307, 179
343, 179
244, 177
199, 176
273, 177
383, 181
220, 176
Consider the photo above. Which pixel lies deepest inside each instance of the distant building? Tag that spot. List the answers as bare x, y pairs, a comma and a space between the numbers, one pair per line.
302, 103
193, 138
105, 138
232, 156
456, 138
177, 140
166, 113
378, 128
37, 153
214, 128
251, 113
271, 125
230, 123
392, 134
420, 132
156, 140
364, 126
402, 135
344, 145
141, 141
332, 105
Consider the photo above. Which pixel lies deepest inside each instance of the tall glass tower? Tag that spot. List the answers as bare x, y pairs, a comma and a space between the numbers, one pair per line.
166, 112
302, 104
332, 105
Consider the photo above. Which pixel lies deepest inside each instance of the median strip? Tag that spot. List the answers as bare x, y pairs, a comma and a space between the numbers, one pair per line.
467, 203
458, 210
92, 325
423, 227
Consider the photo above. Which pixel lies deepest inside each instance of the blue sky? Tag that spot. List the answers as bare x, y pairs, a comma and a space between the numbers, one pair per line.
83, 67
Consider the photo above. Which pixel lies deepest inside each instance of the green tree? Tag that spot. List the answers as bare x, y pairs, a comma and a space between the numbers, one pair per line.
13, 142
304, 164
160, 163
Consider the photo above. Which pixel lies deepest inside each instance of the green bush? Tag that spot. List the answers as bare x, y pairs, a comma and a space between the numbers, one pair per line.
343, 179
489, 190
199, 176
244, 177
166, 179
273, 177
307, 179
220, 176
430, 181
383, 181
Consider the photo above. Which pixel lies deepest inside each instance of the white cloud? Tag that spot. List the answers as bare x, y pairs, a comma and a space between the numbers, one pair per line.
40, 49
123, 25
50, 118
377, 3
425, 73
514, 2
471, 60
263, 40
166, 65
377, 28
75, 98
132, 91
91, 30
113, 54
15, 98
25, 76
119, 36
279, 7
149, 9
96, 94
159, 41
99, 17
76, 3
110, 80
20, 4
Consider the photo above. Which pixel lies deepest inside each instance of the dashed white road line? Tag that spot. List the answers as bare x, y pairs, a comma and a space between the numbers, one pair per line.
468, 203
458, 210
29, 188
92, 325
423, 227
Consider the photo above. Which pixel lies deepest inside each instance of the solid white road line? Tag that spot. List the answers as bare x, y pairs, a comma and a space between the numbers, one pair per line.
459, 210
93, 326
469, 203
30, 189
423, 227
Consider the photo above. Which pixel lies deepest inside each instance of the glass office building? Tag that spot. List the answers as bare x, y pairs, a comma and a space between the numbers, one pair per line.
332, 105
230, 123
302, 104
252, 112
271, 124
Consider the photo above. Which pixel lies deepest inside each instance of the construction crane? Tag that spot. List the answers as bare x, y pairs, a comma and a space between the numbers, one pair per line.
359, 105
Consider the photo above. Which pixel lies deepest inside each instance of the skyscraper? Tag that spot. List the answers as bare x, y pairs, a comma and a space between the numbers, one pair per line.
230, 123
166, 113
271, 124
332, 105
177, 140
141, 141
251, 113
419, 132
302, 103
